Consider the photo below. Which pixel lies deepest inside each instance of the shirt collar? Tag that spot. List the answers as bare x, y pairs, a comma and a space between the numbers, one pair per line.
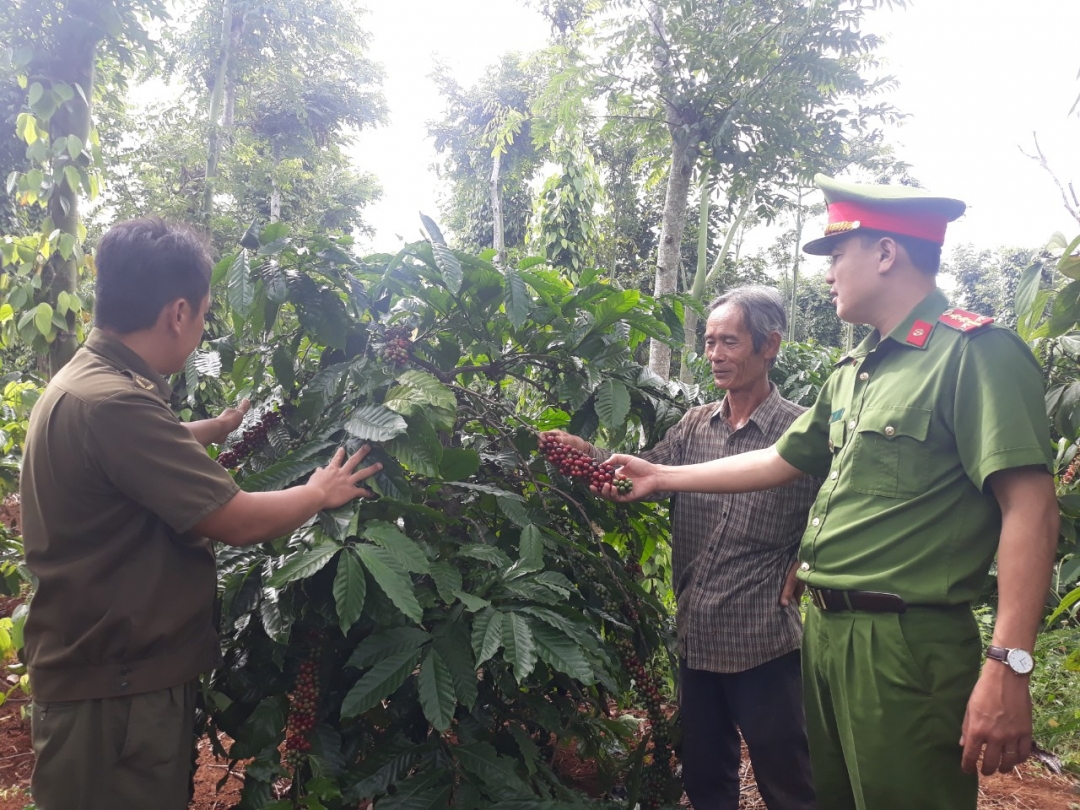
913, 331
123, 359
764, 414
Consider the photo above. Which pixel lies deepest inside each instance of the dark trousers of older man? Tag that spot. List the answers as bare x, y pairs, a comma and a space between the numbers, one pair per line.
765, 704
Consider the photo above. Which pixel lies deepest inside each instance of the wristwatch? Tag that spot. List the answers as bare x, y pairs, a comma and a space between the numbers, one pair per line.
1019, 661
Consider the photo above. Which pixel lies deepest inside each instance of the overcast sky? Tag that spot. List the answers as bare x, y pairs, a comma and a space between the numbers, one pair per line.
977, 77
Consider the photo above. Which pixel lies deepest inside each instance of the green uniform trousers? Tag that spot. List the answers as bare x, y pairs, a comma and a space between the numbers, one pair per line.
121, 753
885, 696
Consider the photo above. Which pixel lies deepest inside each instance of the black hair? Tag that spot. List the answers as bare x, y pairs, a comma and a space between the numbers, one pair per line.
144, 264
925, 255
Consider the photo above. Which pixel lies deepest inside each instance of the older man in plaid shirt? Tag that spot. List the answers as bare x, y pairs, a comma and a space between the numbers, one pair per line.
734, 573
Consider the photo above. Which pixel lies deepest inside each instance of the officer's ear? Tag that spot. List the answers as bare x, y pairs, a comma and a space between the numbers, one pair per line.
886, 251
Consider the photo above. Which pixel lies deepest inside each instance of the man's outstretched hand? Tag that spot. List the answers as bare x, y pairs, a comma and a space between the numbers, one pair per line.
339, 479
645, 477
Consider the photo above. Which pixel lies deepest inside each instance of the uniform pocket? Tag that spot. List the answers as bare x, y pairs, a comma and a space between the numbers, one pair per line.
889, 452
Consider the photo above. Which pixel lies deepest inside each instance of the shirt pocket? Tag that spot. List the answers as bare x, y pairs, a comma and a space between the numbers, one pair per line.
890, 455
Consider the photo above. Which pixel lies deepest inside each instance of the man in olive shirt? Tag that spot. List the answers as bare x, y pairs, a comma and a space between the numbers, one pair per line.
739, 629
933, 439
120, 502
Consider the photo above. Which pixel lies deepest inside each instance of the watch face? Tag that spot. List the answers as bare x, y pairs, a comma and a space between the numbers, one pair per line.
1020, 661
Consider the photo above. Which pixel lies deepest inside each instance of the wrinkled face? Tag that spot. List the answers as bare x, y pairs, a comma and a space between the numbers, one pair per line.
729, 347
852, 278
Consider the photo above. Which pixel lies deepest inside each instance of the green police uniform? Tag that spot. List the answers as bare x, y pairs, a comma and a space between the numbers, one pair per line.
905, 434
122, 620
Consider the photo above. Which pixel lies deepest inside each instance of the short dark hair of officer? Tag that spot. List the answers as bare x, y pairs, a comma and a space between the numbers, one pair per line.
926, 256
142, 265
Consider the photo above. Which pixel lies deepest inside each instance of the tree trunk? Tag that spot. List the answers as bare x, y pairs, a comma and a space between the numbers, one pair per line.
275, 200
793, 314
672, 226
498, 237
217, 96
690, 317
684, 153
73, 62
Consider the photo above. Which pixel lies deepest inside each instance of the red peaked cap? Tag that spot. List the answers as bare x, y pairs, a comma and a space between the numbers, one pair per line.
900, 210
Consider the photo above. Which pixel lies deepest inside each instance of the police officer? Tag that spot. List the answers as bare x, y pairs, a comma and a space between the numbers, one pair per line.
934, 445
119, 499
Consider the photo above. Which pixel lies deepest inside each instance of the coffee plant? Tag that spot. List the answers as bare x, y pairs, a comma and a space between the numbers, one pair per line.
442, 643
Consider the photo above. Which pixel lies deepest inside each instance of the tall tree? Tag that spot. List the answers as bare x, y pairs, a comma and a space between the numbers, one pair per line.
56, 47
730, 83
488, 157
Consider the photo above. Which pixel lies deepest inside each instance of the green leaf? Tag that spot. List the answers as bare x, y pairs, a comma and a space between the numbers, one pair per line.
445, 260
303, 564
494, 771
532, 546
43, 314
458, 463
419, 388
375, 423
520, 646
514, 509
392, 578
472, 603
408, 554
560, 652
282, 363
486, 553
35, 94
1026, 290
487, 634
419, 792
447, 580
419, 447
379, 682
380, 645
436, 689
456, 651
518, 300
350, 589
612, 403
239, 288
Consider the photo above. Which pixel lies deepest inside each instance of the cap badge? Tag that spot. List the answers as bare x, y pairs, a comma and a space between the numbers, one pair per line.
841, 227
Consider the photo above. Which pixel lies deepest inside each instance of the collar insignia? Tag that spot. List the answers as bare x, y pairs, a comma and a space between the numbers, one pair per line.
920, 332
144, 383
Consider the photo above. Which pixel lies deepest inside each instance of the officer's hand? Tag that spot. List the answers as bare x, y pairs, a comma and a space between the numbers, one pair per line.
229, 420
643, 475
569, 439
793, 587
338, 480
997, 723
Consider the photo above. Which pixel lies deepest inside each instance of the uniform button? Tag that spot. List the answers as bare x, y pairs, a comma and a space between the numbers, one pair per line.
890, 430
833, 475
804, 567
815, 522
864, 376
125, 670
124, 685
851, 425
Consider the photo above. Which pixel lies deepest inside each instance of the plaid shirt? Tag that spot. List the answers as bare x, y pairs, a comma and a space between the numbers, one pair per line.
731, 553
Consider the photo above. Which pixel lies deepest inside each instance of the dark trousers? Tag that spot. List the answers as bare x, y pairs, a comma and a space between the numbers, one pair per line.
765, 704
119, 753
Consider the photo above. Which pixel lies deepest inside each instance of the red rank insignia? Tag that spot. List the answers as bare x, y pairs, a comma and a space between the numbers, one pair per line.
964, 321
920, 331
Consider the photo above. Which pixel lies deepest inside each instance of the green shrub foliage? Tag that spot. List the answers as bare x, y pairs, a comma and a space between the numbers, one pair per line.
438, 644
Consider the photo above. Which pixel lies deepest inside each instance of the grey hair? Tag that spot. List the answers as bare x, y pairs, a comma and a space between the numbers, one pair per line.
762, 310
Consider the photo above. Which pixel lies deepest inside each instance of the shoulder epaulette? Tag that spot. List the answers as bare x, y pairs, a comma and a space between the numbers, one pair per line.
964, 321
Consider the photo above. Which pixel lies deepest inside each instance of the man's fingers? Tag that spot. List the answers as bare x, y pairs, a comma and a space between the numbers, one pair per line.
338, 458
244, 406
992, 758
366, 472
357, 457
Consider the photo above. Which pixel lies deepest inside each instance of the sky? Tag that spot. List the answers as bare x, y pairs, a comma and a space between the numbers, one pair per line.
976, 78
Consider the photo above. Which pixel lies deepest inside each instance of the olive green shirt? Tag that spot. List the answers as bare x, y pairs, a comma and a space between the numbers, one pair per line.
906, 433
112, 484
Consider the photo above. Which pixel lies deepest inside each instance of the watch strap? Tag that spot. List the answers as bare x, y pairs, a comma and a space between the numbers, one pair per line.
998, 653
